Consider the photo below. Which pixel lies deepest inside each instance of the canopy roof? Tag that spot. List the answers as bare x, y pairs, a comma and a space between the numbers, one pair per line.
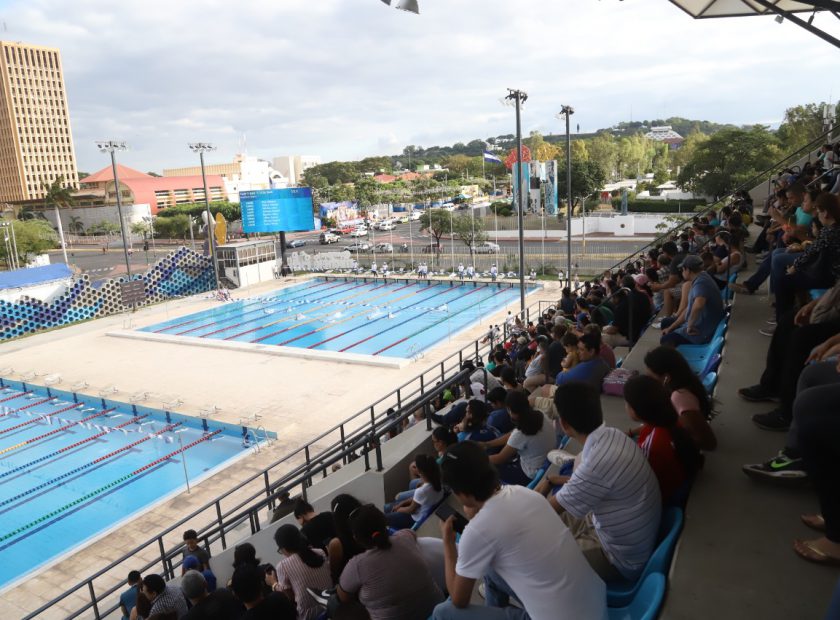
702, 9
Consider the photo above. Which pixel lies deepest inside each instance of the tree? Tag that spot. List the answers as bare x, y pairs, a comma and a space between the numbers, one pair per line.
587, 178
104, 228
437, 222
728, 159
469, 230
802, 124
603, 150
458, 165
681, 156
141, 228
173, 227
32, 237
366, 192
58, 196
75, 225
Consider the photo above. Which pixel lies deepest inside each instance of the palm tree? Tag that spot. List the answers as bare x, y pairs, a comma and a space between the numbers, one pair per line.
57, 195
75, 225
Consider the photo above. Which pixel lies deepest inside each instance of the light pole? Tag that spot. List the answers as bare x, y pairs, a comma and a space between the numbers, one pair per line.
112, 146
518, 97
15, 264
201, 148
567, 111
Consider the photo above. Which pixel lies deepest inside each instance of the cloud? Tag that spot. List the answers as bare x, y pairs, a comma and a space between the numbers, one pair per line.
350, 79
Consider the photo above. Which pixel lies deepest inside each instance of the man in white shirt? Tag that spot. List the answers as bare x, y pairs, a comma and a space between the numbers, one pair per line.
611, 502
494, 272
516, 544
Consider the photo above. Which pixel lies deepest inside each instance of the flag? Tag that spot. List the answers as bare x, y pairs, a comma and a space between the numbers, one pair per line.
488, 156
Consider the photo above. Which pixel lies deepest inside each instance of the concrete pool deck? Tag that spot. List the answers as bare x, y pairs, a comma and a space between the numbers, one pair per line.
296, 398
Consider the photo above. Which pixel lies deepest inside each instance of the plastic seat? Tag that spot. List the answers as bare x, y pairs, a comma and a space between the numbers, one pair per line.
537, 478
645, 604
428, 513
710, 365
709, 382
696, 352
621, 594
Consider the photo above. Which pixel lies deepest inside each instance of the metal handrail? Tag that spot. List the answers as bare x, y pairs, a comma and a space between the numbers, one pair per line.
224, 522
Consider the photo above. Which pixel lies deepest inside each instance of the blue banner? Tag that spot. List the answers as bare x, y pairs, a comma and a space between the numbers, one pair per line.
276, 210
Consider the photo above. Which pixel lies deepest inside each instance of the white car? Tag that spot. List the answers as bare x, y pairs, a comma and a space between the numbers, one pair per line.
384, 247
359, 232
415, 215
386, 225
488, 247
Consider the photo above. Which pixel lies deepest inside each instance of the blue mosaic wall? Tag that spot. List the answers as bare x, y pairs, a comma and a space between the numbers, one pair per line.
180, 273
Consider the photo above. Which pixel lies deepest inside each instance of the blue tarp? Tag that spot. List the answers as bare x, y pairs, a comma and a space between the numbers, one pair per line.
34, 275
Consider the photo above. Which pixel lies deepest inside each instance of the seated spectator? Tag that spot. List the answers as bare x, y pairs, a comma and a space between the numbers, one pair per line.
508, 377
605, 352
499, 417
143, 608
703, 312
343, 547
164, 599
128, 598
670, 280
631, 315
191, 563
248, 584
688, 395
474, 427
319, 528
404, 514
246, 555
514, 543
611, 503
391, 578
191, 547
302, 567
217, 605
442, 438
592, 368
535, 374
570, 343
669, 449
529, 443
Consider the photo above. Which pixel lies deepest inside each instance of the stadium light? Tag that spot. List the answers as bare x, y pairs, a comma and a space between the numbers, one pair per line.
410, 6
201, 148
517, 98
566, 111
112, 146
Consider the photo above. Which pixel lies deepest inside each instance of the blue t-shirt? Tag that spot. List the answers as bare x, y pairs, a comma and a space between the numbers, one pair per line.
500, 420
802, 218
591, 371
485, 433
128, 599
711, 314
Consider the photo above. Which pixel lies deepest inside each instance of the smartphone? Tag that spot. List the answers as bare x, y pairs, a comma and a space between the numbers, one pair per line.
444, 511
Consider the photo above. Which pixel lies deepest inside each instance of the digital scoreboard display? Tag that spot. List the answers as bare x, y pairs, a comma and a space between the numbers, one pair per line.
276, 210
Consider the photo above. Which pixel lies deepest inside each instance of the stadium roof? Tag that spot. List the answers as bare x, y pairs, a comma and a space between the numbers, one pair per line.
32, 276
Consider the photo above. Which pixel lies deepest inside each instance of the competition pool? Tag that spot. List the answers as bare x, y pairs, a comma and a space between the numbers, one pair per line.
73, 467
397, 318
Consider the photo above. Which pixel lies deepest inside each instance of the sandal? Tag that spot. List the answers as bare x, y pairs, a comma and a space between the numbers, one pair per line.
815, 522
806, 550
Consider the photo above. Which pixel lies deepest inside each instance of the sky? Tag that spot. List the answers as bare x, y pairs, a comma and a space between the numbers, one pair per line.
346, 79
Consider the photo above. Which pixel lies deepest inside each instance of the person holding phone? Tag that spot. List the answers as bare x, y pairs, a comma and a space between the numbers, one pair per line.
515, 542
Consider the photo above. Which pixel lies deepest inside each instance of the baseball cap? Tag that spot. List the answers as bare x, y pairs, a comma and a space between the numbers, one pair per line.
692, 262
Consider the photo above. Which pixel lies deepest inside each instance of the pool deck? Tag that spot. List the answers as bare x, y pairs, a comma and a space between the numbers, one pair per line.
294, 397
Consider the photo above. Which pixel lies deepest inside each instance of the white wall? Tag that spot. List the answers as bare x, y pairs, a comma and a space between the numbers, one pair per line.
46, 292
94, 215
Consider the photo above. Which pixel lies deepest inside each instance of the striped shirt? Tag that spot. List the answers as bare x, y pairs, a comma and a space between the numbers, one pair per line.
616, 485
293, 574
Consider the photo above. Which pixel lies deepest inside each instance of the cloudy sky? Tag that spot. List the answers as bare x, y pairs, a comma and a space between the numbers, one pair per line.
344, 79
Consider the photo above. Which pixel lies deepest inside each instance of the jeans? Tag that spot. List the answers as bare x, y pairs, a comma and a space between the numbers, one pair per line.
497, 595
780, 261
816, 387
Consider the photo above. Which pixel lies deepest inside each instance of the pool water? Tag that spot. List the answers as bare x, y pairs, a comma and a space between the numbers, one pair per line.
397, 318
73, 466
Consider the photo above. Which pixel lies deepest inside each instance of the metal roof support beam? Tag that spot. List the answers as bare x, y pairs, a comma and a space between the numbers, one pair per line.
800, 22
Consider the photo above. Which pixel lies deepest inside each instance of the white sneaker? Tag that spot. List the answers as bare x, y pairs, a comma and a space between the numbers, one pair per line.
560, 457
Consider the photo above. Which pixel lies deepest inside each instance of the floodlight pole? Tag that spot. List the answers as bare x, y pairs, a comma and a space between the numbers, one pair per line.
567, 111
519, 97
201, 148
110, 146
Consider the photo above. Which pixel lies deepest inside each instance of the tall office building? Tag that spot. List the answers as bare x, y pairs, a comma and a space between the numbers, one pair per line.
36, 146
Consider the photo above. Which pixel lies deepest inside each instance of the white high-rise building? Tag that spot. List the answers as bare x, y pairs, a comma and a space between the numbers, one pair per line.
245, 173
293, 166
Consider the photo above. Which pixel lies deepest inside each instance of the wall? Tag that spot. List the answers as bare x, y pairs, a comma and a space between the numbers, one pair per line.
44, 292
94, 215
181, 273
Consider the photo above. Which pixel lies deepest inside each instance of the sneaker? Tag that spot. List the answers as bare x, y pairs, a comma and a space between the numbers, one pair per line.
757, 394
767, 331
321, 597
771, 321
481, 591
771, 421
657, 324
781, 469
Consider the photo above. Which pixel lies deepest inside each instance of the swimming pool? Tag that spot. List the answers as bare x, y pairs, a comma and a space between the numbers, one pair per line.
73, 467
397, 318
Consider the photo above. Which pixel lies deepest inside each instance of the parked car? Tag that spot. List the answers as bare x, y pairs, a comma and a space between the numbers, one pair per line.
346, 230
336, 231
386, 225
415, 215
488, 247
359, 246
327, 237
384, 247
296, 243
403, 220
359, 232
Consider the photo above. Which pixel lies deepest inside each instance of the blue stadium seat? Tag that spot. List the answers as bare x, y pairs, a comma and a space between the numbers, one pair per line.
646, 602
711, 365
709, 382
621, 594
701, 351
537, 477
816, 293
428, 513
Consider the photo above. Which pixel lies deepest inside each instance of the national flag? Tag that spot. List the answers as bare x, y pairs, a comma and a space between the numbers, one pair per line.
488, 156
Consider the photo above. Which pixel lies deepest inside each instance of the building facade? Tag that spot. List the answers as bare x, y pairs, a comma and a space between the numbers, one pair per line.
244, 174
293, 166
36, 144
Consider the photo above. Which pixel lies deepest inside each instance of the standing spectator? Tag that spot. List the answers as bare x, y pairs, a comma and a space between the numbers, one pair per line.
302, 567
612, 502
192, 548
703, 312
128, 599
319, 528
391, 578
164, 599
515, 544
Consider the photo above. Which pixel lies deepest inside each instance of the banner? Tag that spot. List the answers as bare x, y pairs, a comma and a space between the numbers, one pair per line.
550, 187
346, 212
525, 184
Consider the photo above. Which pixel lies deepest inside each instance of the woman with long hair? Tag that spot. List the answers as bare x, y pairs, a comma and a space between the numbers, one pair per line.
302, 567
689, 397
343, 547
391, 578
474, 426
672, 454
529, 442
406, 513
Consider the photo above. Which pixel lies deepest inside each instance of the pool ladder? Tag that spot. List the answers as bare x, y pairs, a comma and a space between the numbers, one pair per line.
256, 438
